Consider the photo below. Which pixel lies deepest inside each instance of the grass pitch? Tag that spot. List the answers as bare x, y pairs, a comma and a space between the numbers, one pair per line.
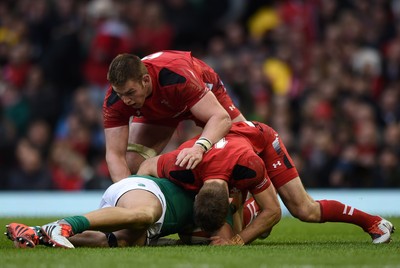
291, 244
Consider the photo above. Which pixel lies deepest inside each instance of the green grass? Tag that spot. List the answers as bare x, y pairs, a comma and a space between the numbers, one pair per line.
291, 244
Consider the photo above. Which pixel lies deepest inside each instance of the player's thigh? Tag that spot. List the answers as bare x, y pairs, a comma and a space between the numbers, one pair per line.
299, 203
150, 135
141, 200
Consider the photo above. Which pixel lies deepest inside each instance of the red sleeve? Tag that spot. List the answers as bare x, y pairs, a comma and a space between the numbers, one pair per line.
179, 76
191, 92
264, 183
115, 112
165, 164
181, 176
250, 173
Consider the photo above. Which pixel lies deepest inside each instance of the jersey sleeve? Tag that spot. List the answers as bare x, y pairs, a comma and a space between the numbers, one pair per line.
115, 113
181, 176
193, 92
180, 75
184, 87
250, 174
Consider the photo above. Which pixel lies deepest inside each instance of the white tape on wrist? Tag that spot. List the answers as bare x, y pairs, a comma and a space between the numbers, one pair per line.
205, 143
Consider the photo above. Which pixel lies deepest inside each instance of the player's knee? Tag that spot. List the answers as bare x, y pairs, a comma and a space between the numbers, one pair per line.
142, 218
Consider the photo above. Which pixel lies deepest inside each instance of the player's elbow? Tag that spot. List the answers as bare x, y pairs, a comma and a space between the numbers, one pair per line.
148, 167
144, 168
272, 215
276, 215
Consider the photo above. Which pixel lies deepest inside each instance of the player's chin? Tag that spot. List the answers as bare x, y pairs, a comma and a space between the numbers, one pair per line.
139, 103
136, 105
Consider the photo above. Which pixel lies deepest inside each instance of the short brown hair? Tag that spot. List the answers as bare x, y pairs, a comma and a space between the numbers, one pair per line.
211, 207
125, 67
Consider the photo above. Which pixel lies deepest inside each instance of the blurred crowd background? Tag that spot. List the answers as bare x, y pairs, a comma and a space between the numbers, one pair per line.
324, 73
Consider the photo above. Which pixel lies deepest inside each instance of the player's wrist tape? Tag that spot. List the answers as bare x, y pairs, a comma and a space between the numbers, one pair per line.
237, 240
204, 143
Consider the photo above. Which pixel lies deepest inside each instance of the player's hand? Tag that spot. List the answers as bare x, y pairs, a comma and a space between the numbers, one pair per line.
220, 241
190, 157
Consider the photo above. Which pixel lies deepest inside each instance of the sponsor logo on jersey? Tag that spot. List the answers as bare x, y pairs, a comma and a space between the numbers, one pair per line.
277, 164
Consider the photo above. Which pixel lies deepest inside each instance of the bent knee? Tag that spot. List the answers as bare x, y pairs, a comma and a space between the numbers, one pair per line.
143, 219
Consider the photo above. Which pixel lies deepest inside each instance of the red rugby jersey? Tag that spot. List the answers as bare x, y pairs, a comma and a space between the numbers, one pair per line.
231, 159
179, 82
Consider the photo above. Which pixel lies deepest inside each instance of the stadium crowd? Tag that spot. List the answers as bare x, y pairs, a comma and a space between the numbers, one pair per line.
325, 74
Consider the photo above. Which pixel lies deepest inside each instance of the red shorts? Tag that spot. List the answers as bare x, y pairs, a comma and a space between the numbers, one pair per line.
279, 165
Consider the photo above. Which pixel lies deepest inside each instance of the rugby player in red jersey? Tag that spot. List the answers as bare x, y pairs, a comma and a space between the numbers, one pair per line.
233, 164
148, 98
266, 143
284, 176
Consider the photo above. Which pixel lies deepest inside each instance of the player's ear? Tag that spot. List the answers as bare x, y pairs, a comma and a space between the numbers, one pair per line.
146, 79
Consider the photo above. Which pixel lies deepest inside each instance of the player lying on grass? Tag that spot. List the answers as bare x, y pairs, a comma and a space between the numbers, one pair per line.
233, 163
284, 176
132, 211
230, 162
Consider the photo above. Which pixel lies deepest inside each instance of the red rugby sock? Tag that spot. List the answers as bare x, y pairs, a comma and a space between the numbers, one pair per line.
250, 211
334, 211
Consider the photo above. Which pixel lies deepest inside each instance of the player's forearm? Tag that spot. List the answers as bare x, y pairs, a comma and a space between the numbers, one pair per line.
225, 231
118, 168
263, 223
217, 127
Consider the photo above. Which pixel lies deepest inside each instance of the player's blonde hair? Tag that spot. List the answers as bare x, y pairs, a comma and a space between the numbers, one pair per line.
126, 67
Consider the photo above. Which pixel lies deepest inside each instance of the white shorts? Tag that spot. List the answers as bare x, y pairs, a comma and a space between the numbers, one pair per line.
116, 190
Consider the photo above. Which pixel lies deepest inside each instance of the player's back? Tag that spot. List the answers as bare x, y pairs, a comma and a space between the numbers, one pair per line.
233, 159
255, 133
184, 64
